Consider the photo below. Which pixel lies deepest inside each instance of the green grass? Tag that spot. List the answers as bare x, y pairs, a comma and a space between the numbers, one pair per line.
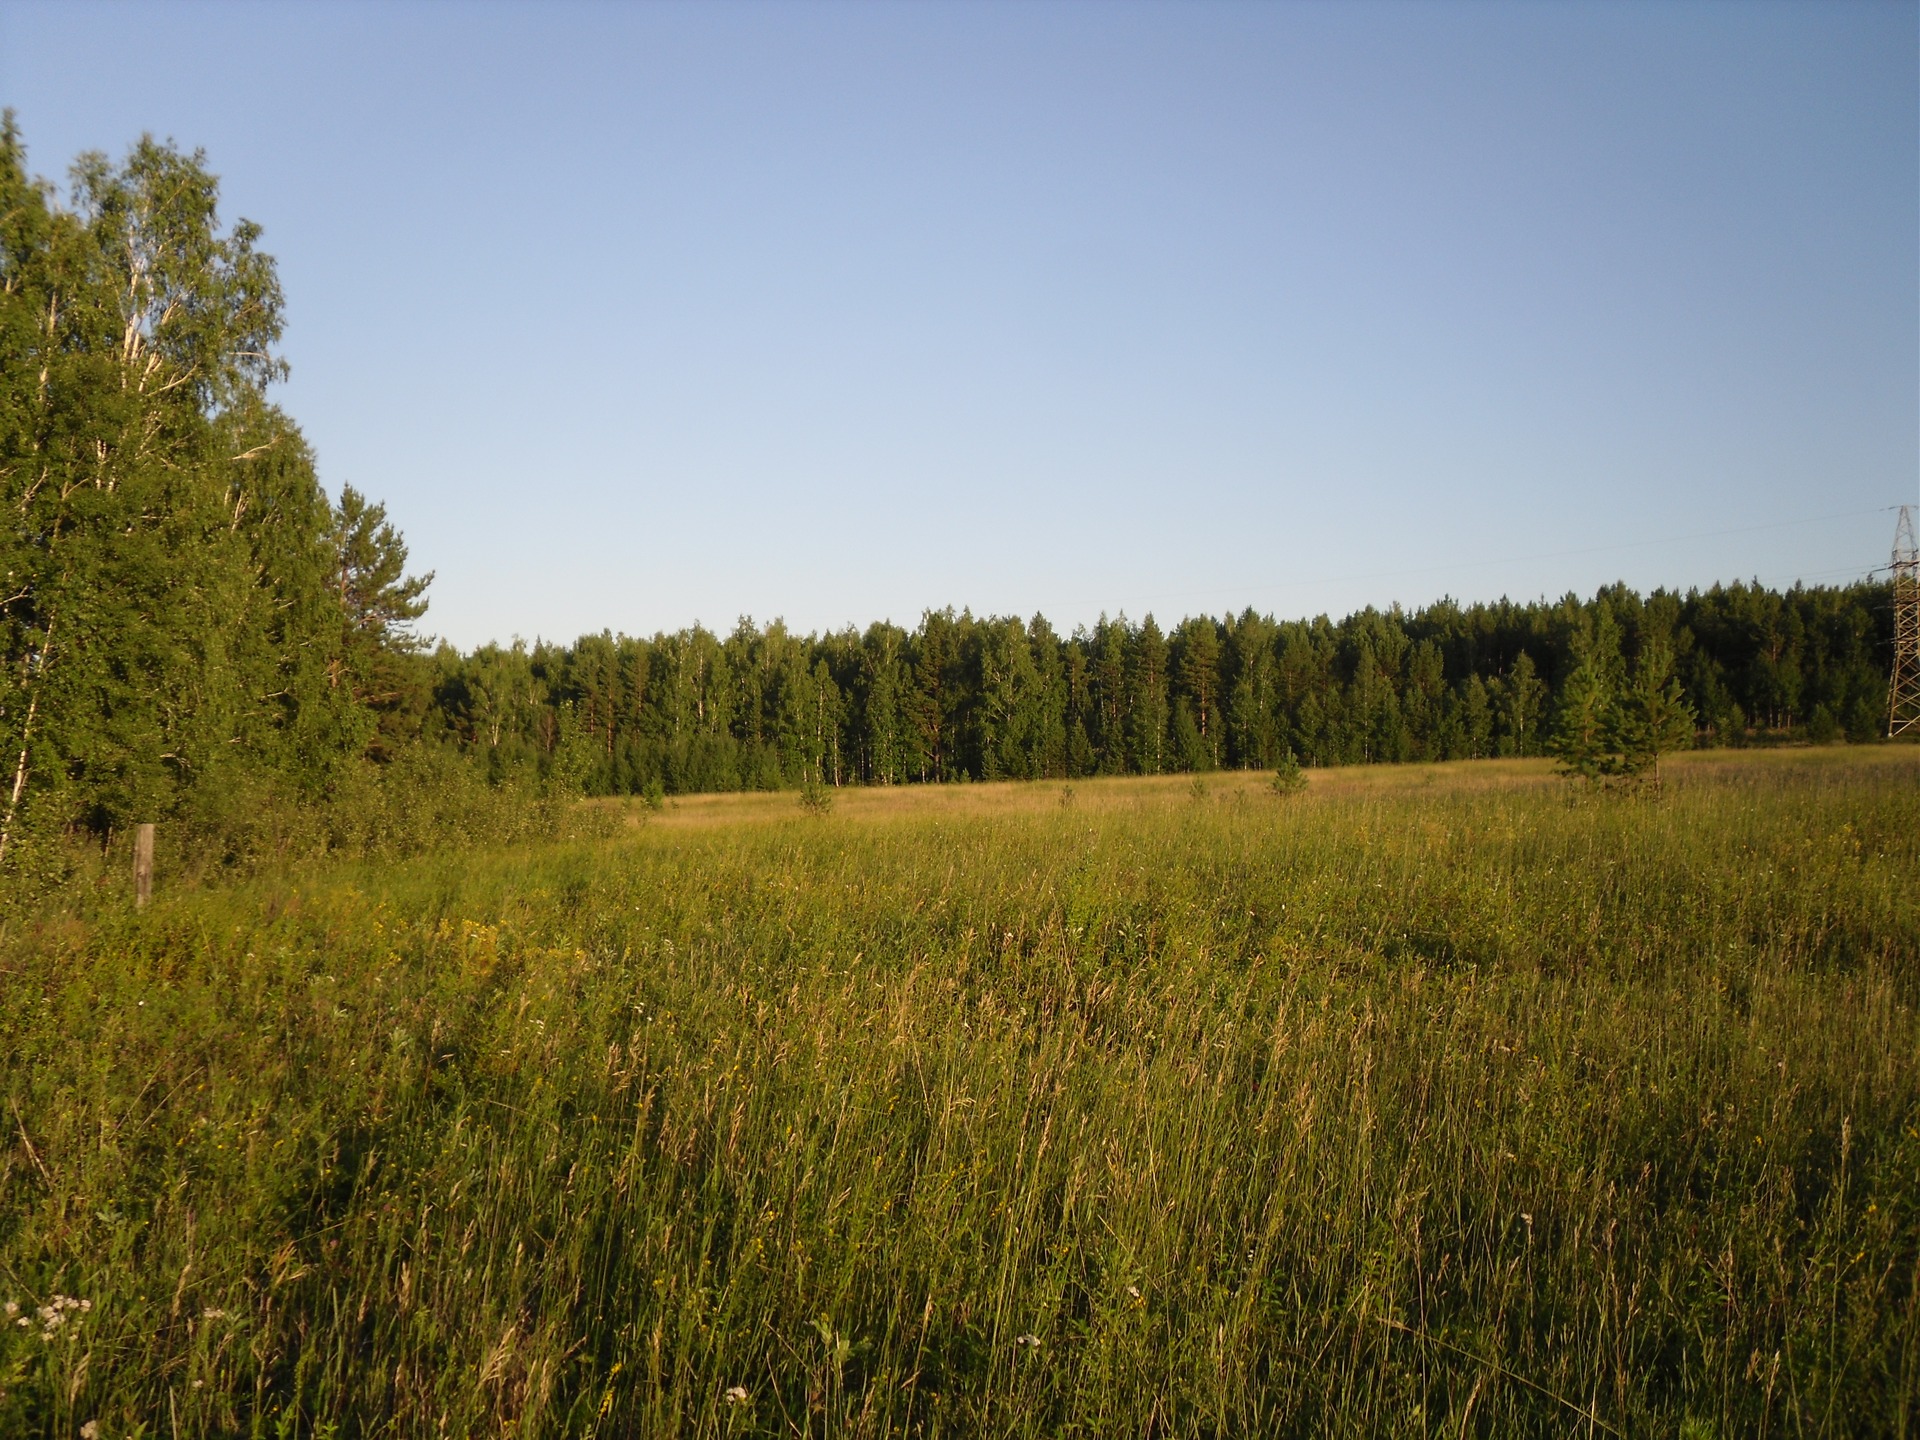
1439, 1101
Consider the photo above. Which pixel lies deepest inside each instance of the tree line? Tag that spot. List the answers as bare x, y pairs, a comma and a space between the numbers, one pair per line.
191, 630
961, 697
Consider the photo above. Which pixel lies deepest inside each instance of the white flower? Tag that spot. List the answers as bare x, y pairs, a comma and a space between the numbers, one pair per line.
736, 1395
13, 1307
1027, 1342
1134, 1291
55, 1313
90, 1430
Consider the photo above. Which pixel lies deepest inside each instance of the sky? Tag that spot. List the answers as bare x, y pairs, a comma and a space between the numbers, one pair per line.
637, 315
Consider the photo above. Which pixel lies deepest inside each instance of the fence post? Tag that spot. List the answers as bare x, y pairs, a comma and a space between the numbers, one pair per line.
142, 866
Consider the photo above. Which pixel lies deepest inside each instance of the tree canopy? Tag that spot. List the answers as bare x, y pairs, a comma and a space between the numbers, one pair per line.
182, 605
1605, 683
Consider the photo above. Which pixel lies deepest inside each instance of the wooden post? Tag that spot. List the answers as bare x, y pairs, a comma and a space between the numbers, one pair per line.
142, 866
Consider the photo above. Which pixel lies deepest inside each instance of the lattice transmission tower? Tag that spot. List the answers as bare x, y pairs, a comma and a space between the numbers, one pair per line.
1903, 693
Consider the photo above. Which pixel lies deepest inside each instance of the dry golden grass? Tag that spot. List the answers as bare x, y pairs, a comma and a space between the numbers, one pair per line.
1133, 792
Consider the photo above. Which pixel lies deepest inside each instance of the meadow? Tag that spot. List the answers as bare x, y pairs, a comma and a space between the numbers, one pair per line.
1429, 1101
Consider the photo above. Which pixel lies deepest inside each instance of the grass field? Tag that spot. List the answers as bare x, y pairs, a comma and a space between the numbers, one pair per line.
1433, 1101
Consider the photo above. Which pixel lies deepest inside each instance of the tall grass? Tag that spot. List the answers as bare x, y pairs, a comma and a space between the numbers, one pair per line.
1403, 1109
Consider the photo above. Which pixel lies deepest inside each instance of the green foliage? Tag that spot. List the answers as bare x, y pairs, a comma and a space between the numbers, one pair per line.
1396, 1110
572, 757
1522, 696
146, 477
188, 629
1583, 724
1288, 777
379, 602
377, 605
1005, 699
1605, 730
1652, 717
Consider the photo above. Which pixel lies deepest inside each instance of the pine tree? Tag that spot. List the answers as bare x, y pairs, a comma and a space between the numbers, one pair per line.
1108, 710
1147, 710
1197, 669
1652, 716
1476, 717
1522, 694
1251, 708
1583, 723
379, 603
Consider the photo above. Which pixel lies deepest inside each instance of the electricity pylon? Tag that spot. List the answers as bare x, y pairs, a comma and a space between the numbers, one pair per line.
1903, 692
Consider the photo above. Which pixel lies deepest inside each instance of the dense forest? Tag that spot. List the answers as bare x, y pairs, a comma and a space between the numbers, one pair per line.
966, 698
193, 631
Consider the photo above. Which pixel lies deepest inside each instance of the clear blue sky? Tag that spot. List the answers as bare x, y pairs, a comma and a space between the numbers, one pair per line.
641, 314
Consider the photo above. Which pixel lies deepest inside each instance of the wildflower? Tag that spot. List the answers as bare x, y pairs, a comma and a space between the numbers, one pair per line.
56, 1312
1134, 1291
736, 1395
12, 1308
1027, 1342
211, 1314
90, 1430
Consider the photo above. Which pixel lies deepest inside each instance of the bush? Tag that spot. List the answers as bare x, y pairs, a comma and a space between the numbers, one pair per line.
427, 798
1288, 777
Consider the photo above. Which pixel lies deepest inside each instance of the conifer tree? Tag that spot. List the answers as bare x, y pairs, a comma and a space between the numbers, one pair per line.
1198, 671
1652, 715
1106, 650
1251, 704
1583, 722
378, 605
1522, 693
1147, 709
